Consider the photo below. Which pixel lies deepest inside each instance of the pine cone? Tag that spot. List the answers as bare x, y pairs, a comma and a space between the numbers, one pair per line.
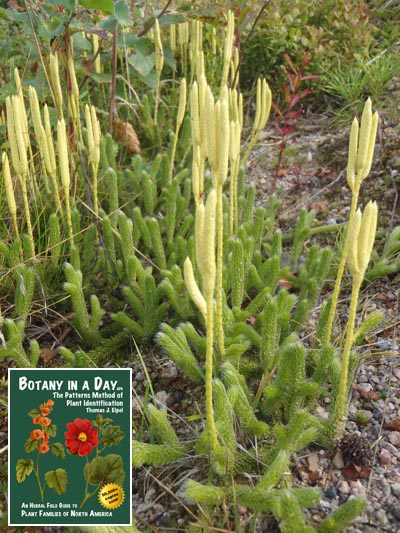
356, 450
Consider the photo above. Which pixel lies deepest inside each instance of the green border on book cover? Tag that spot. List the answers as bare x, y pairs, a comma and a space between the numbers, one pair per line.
70, 446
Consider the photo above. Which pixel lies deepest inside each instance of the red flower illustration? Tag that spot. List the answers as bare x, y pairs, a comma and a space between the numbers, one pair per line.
44, 446
42, 421
37, 434
81, 437
44, 409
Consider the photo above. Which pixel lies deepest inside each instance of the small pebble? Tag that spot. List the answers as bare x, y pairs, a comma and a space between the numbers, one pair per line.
325, 506
170, 372
394, 438
385, 457
149, 496
143, 508
344, 487
395, 488
384, 345
337, 460
162, 398
395, 510
331, 492
381, 516
177, 396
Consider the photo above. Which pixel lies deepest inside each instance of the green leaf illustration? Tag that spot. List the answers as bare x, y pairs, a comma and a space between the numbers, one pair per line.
108, 469
31, 445
112, 435
57, 480
33, 413
52, 430
24, 467
100, 422
58, 450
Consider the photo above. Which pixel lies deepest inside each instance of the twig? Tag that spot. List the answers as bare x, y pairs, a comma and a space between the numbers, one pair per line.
152, 22
247, 39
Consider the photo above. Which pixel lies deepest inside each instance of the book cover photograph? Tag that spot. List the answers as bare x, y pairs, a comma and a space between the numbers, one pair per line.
70, 447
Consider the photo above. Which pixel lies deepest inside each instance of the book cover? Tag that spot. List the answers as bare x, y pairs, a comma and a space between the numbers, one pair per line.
70, 438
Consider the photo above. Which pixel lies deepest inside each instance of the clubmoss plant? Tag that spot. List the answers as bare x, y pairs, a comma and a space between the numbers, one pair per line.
360, 240
19, 158
93, 136
156, 250
63, 161
73, 95
361, 151
228, 46
179, 120
159, 63
55, 84
12, 206
46, 155
263, 108
217, 142
205, 259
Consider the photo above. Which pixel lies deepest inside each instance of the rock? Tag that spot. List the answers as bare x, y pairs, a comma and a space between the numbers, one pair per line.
344, 487
169, 372
162, 398
394, 438
331, 492
143, 508
395, 488
384, 345
338, 460
325, 506
395, 510
149, 496
381, 516
384, 457
177, 397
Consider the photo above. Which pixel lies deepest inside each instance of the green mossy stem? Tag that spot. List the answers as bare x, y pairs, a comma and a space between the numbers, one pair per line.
23, 182
209, 372
337, 422
342, 264
219, 304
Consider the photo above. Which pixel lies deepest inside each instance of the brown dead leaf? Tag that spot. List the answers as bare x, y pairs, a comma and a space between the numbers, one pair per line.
393, 425
352, 472
47, 354
364, 393
285, 284
324, 173
314, 475
319, 207
124, 132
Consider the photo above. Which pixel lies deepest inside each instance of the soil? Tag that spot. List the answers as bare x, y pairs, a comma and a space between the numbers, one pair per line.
312, 176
